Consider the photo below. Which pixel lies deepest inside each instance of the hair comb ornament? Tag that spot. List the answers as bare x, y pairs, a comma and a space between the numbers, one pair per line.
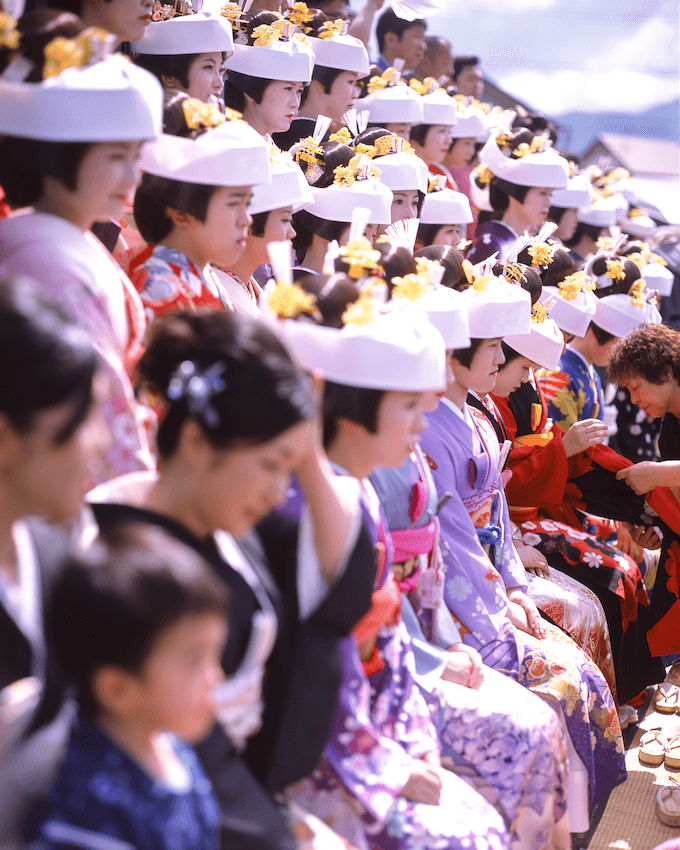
89, 46
368, 306
286, 299
198, 114
393, 144
197, 388
356, 122
575, 283
162, 13
333, 29
359, 168
309, 150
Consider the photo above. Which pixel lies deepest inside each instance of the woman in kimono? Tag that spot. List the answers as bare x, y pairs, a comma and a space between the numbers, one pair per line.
485, 583
192, 207
239, 418
522, 170
63, 156
45, 399
384, 755
187, 54
271, 65
545, 465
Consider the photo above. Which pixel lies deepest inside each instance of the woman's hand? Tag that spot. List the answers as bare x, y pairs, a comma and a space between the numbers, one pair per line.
524, 614
532, 560
424, 784
583, 435
464, 666
645, 476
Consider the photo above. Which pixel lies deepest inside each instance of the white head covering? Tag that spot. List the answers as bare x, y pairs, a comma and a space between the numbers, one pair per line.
107, 101
543, 344
393, 105
439, 108
199, 33
470, 123
288, 186
403, 171
573, 306
444, 206
544, 169
659, 278
343, 52
601, 213
399, 350
291, 60
578, 194
232, 154
357, 189
620, 314
497, 308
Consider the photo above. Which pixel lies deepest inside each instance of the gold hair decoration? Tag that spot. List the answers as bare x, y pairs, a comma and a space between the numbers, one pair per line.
538, 145
468, 271
364, 310
615, 270
605, 243
366, 150
266, 34
358, 168
288, 300
542, 253
637, 292
481, 283
504, 139
343, 136
635, 212
300, 14
513, 273
428, 86
63, 53
484, 174
232, 11
331, 29
637, 258
436, 183
425, 266
411, 287
539, 313
9, 35
163, 13
361, 257
382, 82
573, 284
393, 144
198, 114
309, 152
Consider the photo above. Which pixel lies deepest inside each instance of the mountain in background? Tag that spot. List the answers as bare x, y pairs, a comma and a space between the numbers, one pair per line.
579, 129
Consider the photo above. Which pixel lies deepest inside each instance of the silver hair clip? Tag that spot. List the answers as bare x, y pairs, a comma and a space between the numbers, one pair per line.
189, 384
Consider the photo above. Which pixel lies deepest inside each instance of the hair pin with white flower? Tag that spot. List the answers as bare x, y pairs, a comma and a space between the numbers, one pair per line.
197, 387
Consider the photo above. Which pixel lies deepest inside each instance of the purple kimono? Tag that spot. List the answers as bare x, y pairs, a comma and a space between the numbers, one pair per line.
465, 457
491, 237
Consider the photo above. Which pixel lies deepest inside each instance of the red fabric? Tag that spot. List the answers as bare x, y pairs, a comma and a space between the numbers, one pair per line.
5, 209
385, 608
539, 473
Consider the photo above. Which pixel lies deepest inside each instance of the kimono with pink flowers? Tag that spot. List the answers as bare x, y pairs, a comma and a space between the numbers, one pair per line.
75, 269
481, 565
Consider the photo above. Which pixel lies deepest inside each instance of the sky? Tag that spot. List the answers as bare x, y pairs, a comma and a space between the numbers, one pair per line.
571, 55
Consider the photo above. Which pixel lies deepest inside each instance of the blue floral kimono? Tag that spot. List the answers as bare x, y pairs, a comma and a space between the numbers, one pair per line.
574, 390
481, 564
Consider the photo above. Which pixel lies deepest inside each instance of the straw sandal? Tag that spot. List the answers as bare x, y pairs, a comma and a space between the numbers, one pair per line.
653, 747
672, 757
667, 698
668, 806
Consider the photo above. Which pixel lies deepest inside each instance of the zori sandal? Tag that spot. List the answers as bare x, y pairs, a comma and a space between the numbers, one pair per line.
672, 757
667, 698
653, 747
668, 806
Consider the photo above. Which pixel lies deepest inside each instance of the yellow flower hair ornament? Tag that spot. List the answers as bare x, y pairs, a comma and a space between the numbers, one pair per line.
361, 258
539, 313
288, 301
542, 253
638, 293
572, 285
343, 136
9, 35
332, 29
411, 287
300, 15
484, 174
615, 270
359, 168
198, 114
366, 309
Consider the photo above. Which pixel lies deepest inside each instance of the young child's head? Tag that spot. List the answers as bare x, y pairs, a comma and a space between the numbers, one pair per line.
138, 625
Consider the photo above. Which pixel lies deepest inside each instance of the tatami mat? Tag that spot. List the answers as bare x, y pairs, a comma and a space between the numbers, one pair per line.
629, 821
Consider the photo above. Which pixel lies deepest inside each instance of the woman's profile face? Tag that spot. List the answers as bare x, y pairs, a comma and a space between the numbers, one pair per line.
239, 487
482, 375
47, 472
536, 206
462, 153
512, 376
437, 142
655, 399
206, 77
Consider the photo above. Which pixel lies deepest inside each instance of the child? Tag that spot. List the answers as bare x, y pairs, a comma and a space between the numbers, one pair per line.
138, 625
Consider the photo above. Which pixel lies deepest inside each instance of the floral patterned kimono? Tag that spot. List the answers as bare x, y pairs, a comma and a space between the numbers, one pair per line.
76, 270
508, 736
167, 280
465, 457
545, 491
382, 725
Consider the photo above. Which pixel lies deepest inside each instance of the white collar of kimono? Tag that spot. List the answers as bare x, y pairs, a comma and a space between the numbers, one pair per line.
463, 414
22, 600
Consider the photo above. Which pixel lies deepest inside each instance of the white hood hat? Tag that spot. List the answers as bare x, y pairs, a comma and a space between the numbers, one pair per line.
445, 206
199, 33
232, 154
288, 186
403, 171
573, 304
354, 186
600, 213
108, 101
543, 169
470, 124
393, 105
578, 194
659, 278
399, 350
496, 308
544, 343
620, 314
342, 52
277, 57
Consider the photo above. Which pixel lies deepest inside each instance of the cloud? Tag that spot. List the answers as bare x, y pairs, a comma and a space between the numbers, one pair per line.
652, 45
558, 92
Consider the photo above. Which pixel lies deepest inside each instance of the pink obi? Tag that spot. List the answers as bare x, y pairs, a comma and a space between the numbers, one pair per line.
409, 542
